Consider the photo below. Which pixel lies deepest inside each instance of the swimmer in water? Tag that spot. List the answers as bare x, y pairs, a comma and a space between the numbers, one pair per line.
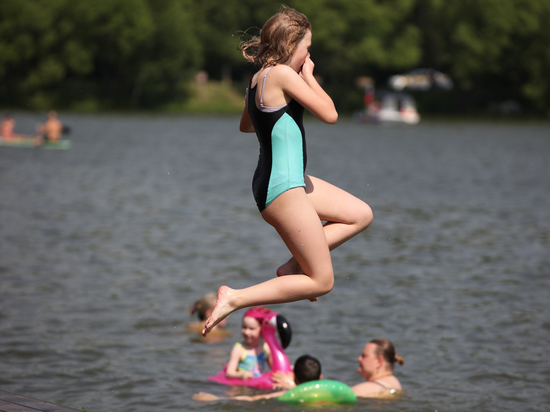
6, 126
294, 203
52, 130
376, 364
203, 308
306, 369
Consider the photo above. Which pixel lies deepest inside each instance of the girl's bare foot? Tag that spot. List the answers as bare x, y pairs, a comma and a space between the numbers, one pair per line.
222, 310
291, 267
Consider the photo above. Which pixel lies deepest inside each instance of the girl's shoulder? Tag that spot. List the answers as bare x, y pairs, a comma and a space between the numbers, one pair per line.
282, 70
239, 351
278, 70
239, 347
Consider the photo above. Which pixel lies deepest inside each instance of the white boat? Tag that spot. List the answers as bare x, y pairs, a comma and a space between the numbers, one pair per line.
421, 79
390, 107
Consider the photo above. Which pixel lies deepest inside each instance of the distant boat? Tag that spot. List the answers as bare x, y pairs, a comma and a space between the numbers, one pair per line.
389, 107
421, 79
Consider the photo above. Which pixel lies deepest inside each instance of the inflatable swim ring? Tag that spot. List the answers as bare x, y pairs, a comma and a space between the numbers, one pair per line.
323, 391
271, 323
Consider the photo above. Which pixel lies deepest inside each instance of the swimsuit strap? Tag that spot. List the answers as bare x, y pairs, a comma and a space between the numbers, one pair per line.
263, 87
392, 391
245, 352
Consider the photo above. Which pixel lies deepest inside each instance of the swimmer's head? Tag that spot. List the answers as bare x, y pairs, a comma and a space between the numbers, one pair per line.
204, 307
279, 38
306, 369
386, 349
251, 330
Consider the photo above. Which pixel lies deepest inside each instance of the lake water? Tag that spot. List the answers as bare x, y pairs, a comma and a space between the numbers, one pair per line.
104, 247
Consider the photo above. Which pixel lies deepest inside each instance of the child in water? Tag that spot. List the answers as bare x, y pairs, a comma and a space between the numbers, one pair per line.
294, 203
248, 359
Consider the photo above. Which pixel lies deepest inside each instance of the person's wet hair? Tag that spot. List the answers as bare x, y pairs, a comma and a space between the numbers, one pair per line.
307, 368
206, 302
386, 349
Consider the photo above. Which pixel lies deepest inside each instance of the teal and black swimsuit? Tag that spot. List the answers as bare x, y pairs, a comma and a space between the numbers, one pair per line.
283, 157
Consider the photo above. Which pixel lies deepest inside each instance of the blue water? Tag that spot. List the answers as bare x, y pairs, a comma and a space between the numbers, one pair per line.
105, 246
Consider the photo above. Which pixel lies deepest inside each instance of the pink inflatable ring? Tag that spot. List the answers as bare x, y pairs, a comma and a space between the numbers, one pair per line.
271, 323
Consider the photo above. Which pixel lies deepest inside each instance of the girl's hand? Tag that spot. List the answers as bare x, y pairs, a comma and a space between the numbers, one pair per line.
307, 67
246, 375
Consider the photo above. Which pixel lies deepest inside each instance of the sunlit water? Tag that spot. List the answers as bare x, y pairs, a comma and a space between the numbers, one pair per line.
103, 248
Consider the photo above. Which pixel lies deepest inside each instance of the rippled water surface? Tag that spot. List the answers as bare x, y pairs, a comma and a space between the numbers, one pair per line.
103, 248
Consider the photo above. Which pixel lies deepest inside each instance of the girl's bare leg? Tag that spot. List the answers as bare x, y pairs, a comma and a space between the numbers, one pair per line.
346, 216
297, 222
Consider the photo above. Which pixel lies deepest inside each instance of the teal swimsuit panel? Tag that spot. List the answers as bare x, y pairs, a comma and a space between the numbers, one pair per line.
287, 169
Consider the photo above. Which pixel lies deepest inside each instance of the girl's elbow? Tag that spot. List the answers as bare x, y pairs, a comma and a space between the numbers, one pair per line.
331, 118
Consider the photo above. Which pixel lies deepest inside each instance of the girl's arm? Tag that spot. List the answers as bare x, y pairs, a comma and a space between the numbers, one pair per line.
246, 124
304, 88
231, 371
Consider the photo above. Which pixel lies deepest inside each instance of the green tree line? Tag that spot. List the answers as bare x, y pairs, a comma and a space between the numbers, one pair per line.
112, 54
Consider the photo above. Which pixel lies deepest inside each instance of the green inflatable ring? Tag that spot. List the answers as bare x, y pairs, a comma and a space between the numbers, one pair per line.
324, 391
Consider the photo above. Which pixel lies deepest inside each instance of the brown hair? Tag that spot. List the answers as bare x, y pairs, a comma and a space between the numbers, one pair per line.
306, 369
278, 39
386, 349
206, 302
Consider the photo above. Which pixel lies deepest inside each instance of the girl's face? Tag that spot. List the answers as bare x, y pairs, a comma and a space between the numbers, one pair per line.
301, 54
251, 331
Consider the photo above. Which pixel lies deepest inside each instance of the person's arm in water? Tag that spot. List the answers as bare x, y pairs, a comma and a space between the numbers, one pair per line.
283, 380
205, 397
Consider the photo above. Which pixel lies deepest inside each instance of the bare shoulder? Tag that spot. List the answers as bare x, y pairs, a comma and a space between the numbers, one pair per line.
368, 390
284, 72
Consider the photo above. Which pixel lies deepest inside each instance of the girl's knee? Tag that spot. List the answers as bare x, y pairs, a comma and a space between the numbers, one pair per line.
324, 285
364, 216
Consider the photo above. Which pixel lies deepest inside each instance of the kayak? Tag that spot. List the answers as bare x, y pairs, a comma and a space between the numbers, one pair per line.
62, 144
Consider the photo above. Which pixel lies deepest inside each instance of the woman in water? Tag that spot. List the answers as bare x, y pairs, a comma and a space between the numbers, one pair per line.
376, 364
294, 203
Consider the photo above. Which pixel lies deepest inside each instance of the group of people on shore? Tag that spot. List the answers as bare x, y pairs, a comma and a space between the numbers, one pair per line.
49, 131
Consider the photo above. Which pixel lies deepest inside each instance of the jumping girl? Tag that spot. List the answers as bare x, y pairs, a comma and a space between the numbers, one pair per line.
294, 203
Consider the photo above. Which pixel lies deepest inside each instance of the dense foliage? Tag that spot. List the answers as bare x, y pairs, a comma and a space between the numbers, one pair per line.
106, 54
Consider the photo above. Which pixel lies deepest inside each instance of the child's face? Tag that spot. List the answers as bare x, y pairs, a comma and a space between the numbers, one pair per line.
251, 331
301, 54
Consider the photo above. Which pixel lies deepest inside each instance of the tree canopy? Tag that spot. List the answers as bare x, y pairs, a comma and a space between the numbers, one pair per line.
106, 54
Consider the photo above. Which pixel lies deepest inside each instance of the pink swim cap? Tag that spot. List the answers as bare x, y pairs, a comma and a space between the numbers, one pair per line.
258, 312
